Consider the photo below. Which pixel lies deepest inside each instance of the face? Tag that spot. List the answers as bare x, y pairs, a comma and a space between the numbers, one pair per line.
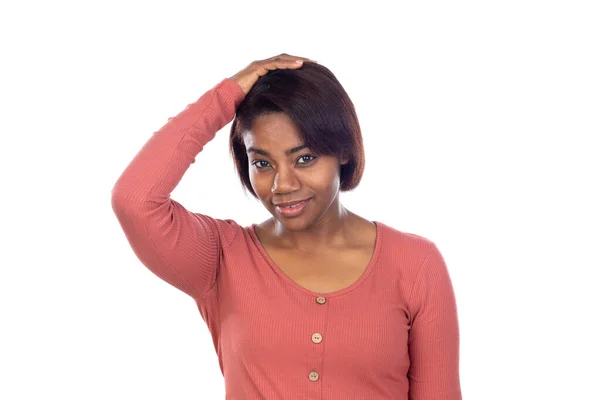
299, 187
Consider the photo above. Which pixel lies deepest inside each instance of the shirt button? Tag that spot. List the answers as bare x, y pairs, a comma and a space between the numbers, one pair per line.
313, 376
321, 300
317, 338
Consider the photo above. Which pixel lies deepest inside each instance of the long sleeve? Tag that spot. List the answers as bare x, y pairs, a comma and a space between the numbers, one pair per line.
179, 246
434, 334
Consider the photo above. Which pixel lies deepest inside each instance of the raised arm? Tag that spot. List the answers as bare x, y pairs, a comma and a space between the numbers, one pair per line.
433, 342
181, 247
177, 245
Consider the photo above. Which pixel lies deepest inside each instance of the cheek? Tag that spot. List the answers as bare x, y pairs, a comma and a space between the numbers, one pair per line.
260, 181
323, 180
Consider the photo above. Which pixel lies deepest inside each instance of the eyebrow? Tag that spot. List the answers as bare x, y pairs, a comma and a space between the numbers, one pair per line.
266, 153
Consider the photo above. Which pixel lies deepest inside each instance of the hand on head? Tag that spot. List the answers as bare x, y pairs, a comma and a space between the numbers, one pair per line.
247, 77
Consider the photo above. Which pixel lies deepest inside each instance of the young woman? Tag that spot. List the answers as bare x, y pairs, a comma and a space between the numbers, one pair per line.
316, 302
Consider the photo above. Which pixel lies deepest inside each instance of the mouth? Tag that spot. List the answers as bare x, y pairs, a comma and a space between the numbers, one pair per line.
291, 209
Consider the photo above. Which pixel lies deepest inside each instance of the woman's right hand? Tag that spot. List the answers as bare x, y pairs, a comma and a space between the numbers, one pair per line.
247, 77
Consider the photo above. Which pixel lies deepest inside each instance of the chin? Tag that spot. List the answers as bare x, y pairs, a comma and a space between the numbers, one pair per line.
294, 224
299, 223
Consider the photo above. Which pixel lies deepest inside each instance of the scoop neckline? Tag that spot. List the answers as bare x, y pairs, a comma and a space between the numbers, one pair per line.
340, 292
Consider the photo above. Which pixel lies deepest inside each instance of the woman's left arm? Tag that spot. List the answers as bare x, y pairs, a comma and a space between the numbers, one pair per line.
433, 342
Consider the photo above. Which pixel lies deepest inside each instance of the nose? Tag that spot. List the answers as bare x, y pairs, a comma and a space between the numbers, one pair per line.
285, 181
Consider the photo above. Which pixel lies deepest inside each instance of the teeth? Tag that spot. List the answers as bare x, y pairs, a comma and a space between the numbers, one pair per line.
293, 205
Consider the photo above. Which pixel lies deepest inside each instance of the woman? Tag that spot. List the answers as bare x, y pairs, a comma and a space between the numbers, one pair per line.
315, 302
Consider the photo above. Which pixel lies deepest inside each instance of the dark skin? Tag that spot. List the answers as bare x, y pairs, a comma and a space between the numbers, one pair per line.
326, 248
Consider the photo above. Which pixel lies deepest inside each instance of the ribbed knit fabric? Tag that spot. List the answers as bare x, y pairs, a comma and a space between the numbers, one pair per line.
392, 334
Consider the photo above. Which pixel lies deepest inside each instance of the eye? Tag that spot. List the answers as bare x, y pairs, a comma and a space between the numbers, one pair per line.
261, 164
307, 159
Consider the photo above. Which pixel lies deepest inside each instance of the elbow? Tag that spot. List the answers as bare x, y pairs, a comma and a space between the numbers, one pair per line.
123, 203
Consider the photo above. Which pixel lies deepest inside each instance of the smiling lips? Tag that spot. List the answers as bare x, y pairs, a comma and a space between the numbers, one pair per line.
291, 209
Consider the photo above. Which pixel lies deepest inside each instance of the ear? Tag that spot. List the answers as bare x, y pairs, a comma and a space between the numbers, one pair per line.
344, 158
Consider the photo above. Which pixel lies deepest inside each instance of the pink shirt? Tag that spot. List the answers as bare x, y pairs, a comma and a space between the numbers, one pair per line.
392, 334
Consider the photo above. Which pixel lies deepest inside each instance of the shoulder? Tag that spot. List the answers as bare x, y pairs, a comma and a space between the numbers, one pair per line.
414, 259
403, 252
395, 240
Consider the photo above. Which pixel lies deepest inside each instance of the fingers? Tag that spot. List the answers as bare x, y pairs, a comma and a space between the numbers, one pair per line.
283, 61
286, 57
283, 64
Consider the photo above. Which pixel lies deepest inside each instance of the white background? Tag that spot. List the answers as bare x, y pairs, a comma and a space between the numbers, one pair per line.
480, 121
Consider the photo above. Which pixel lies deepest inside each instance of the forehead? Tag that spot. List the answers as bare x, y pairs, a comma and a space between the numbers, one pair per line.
273, 132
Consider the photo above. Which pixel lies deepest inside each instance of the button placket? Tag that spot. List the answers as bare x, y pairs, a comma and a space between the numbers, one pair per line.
317, 338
